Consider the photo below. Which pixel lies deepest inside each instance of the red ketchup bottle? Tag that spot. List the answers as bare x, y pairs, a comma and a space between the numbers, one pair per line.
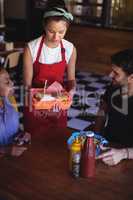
88, 156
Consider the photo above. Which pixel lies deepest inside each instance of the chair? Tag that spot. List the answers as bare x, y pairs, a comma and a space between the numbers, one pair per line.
14, 66
12, 60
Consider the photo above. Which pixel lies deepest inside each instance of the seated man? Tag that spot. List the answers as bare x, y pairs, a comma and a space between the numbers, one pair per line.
114, 119
9, 117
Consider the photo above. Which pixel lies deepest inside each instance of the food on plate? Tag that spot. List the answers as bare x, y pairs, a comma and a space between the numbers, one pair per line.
38, 95
47, 97
48, 101
63, 98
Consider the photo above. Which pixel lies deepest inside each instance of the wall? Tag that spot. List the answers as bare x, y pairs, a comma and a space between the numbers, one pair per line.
15, 9
17, 19
96, 45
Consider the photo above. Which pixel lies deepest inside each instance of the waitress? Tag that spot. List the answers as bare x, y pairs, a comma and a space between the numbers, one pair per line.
48, 58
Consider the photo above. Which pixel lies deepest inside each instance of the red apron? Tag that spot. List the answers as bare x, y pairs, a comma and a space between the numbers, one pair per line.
38, 122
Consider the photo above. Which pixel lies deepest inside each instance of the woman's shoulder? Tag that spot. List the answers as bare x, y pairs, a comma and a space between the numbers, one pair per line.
67, 44
13, 102
35, 41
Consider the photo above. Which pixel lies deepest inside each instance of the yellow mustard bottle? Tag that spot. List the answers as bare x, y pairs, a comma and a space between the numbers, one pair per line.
75, 156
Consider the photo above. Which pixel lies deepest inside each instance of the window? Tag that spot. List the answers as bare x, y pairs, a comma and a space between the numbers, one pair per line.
103, 13
122, 14
87, 11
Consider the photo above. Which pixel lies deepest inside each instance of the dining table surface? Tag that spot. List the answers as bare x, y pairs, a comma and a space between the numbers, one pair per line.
42, 173
17, 46
4, 53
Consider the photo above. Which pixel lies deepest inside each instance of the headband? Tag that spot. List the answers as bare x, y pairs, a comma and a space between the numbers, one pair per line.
58, 12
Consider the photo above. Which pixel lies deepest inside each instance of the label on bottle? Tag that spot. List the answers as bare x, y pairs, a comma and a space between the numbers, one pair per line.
88, 158
76, 165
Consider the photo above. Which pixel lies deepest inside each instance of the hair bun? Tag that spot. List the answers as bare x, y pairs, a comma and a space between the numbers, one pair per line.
55, 3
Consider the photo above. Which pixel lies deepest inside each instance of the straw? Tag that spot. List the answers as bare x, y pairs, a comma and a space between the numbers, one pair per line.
45, 85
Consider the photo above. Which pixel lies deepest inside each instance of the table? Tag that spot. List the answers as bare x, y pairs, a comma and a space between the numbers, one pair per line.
7, 52
41, 173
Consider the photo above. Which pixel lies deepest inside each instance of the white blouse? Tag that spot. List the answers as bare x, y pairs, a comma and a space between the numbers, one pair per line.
50, 55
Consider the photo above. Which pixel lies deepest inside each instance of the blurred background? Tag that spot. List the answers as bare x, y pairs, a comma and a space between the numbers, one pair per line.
105, 25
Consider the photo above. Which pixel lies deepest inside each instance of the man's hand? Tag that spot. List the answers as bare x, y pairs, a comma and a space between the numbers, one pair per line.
112, 156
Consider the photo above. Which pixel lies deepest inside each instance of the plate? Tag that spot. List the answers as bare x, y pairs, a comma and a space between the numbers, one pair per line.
49, 101
98, 140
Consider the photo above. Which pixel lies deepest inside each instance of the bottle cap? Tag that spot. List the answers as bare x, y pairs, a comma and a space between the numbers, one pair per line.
76, 145
90, 134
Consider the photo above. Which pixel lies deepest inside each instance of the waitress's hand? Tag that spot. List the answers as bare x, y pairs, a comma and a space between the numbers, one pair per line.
55, 87
112, 156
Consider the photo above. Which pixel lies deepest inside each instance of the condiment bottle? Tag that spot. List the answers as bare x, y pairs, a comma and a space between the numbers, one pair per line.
88, 156
75, 157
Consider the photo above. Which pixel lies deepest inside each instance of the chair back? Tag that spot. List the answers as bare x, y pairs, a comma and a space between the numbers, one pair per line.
12, 60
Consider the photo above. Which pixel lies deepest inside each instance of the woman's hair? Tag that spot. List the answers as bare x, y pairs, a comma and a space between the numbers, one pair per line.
124, 60
55, 3
56, 10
